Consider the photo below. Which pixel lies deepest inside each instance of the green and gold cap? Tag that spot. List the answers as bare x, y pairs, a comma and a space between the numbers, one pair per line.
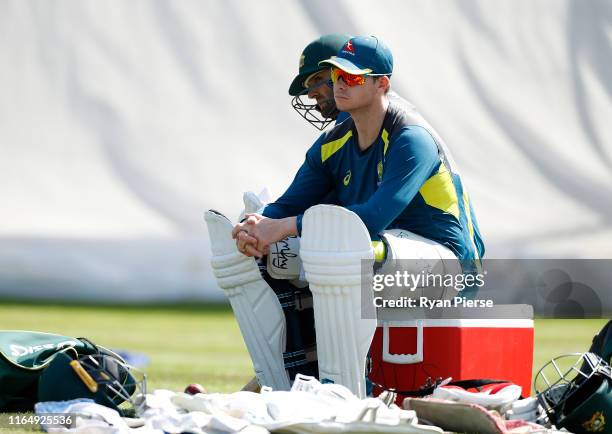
318, 50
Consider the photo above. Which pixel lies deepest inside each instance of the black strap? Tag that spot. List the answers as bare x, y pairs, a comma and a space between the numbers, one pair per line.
428, 390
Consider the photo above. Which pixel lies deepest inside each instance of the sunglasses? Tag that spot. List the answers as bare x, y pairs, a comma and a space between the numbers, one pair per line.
349, 79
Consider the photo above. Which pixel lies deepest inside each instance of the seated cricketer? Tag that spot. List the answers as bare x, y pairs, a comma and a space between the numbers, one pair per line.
387, 170
398, 178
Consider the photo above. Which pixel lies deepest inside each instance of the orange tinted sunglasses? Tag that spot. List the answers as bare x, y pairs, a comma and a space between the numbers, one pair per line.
349, 79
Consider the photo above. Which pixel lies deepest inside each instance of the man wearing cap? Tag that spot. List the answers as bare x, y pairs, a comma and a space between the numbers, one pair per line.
386, 167
384, 163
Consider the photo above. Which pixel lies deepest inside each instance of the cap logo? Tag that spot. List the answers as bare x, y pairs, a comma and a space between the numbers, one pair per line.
348, 48
302, 59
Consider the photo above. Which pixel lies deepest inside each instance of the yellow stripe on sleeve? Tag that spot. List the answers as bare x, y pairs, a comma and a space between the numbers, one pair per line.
439, 192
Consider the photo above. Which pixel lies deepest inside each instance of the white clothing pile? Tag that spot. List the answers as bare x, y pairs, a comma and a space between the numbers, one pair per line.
310, 407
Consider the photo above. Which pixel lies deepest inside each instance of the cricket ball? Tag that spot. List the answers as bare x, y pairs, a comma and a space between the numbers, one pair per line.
195, 388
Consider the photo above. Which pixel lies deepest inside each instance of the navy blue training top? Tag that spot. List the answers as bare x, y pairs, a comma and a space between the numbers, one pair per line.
400, 181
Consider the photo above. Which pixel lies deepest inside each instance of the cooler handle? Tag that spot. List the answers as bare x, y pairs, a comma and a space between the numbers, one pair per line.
403, 359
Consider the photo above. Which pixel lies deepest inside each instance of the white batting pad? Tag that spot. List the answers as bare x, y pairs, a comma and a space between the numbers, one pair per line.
425, 253
414, 254
334, 241
254, 303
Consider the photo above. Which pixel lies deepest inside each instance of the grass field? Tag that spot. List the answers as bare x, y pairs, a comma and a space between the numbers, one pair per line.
202, 344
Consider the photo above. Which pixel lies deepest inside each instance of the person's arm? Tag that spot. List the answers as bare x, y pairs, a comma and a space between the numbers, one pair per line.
412, 157
310, 185
283, 217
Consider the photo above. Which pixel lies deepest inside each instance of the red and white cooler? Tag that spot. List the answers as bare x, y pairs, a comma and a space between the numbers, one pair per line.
408, 355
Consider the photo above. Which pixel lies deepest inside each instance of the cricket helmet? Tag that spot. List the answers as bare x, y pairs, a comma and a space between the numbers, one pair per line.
105, 378
318, 50
575, 390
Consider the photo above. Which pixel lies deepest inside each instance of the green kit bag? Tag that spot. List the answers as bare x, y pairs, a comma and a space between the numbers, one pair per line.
23, 357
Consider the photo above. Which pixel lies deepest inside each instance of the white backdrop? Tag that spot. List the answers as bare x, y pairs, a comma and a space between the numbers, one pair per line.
122, 121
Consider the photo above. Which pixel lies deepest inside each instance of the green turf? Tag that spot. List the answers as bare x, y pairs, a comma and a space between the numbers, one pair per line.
185, 345
202, 344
